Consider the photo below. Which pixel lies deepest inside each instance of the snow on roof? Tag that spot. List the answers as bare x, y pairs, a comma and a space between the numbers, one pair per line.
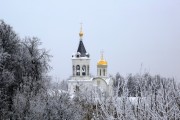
85, 80
107, 80
74, 58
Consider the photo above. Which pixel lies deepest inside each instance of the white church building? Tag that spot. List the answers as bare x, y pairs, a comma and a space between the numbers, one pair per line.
81, 78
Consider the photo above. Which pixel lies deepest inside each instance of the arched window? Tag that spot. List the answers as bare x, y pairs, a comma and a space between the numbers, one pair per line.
88, 70
104, 71
83, 70
78, 70
73, 70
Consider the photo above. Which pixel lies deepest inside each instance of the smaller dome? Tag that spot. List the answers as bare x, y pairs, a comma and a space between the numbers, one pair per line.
102, 62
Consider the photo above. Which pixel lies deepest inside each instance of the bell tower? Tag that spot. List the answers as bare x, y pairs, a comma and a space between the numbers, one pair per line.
81, 61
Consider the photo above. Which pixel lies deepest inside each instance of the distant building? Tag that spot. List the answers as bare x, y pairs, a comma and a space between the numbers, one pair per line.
81, 78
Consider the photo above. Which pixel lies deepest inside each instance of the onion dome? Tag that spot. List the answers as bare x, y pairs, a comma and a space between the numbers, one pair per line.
102, 61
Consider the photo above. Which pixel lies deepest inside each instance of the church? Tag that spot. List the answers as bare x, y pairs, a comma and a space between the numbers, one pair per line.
81, 78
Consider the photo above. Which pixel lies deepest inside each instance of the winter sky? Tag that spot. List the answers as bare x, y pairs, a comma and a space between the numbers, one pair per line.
135, 35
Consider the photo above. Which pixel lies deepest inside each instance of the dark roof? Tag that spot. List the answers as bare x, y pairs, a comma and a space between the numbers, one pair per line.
81, 49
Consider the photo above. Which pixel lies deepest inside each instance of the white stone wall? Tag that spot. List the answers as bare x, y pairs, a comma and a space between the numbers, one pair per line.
105, 85
100, 83
82, 84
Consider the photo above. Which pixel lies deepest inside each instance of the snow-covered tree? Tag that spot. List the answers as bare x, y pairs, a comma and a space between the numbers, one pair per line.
9, 68
23, 67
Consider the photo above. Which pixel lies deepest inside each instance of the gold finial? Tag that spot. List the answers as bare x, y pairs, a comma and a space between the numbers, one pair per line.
81, 32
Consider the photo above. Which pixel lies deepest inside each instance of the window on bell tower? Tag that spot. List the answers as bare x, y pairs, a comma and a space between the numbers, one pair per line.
83, 70
78, 70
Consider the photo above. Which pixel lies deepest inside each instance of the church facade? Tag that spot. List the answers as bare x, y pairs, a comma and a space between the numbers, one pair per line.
81, 79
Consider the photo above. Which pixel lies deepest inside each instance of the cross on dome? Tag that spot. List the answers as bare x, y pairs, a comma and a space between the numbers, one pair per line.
102, 57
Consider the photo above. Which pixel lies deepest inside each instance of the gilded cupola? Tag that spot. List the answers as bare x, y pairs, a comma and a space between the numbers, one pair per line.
102, 61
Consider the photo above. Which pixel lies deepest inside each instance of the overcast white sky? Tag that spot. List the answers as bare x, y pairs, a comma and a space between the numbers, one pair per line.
131, 32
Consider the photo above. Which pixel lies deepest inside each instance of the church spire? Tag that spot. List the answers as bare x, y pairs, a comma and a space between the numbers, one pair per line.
81, 49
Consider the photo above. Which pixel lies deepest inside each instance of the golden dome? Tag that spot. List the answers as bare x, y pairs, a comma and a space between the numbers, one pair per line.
102, 61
